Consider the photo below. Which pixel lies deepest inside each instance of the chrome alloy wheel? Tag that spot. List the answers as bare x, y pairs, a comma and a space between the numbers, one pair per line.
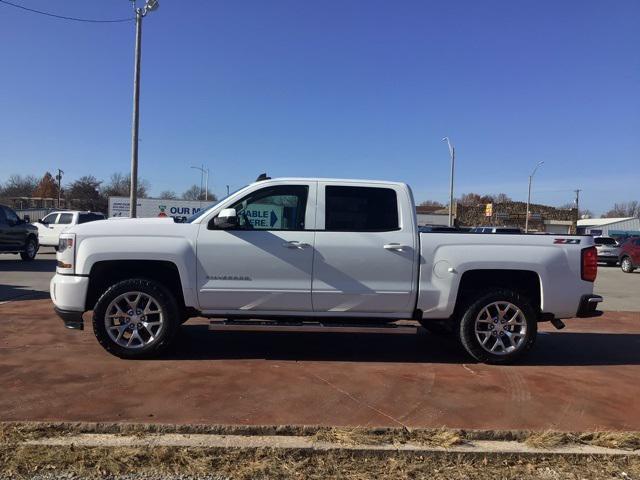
501, 328
626, 265
134, 319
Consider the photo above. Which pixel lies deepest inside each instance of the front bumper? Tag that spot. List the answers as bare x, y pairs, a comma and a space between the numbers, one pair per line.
68, 293
588, 306
72, 318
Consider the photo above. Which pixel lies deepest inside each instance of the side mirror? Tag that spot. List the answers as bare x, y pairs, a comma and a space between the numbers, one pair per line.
27, 219
227, 218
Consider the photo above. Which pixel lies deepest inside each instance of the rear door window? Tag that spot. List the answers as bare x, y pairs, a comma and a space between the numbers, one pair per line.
65, 218
360, 209
89, 217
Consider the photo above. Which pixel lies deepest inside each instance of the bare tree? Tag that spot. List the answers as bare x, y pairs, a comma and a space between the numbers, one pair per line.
19, 186
474, 199
84, 194
119, 186
195, 193
168, 195
501, 198
432, 203
624, 209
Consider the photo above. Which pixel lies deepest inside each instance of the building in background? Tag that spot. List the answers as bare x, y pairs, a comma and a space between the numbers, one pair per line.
610, 227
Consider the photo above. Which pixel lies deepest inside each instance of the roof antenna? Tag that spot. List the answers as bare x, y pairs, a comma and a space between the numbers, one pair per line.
262, 176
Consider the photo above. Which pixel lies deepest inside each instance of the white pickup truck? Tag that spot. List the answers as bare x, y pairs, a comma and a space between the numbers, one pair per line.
318, 252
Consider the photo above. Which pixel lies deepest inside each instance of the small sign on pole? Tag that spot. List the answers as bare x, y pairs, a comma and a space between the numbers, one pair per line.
488, 210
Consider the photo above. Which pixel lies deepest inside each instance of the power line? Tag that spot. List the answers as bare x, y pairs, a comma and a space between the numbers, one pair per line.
62, 17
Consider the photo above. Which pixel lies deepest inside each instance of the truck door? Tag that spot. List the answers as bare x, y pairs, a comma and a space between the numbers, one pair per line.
63, 223
13, 230
264, 264
366, 250
4, 231
46, 232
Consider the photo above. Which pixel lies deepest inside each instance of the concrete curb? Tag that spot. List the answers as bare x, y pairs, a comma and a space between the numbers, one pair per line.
292, 442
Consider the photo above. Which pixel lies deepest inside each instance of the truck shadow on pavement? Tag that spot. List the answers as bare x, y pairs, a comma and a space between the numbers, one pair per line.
196, 342
16, 293
38, 265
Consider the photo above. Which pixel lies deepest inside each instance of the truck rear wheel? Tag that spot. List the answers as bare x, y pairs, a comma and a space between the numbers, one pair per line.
136, 319
498, 327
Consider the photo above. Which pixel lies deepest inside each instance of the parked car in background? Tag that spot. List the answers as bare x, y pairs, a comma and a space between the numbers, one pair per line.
17, 235
629, 256
608, 250
51, 226
495, 230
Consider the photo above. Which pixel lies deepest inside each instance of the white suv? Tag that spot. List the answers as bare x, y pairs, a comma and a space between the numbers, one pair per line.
51, 226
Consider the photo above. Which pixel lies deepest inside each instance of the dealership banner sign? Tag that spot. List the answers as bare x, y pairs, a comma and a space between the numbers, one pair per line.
154, 207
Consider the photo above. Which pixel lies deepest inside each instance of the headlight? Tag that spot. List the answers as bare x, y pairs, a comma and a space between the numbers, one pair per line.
64, 243
66, 253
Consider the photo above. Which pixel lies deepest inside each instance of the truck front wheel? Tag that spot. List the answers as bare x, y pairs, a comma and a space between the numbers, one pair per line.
136, 319
498, 327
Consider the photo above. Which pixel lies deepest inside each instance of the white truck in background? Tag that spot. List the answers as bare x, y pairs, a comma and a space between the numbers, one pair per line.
318, 252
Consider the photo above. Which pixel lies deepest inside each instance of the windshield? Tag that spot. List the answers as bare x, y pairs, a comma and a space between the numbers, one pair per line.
199, 214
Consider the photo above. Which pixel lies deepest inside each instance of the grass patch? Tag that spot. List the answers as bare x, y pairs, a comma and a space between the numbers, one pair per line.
91, 462
363, 436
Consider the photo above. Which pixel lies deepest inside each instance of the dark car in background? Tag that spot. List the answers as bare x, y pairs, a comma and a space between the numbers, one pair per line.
629, 256
17, 235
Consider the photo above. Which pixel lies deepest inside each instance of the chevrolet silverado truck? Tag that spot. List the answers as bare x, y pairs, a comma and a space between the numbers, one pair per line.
318, 252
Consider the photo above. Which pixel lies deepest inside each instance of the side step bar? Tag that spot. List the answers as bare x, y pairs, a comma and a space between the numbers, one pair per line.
272, 326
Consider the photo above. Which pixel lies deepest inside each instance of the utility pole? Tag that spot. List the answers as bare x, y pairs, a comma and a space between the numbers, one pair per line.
526, 220
133, 192
59, 178
578, 190
452, 154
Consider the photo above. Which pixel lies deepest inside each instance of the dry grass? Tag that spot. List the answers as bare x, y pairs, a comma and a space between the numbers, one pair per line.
363, 436
550, 439
622, 440
276, 464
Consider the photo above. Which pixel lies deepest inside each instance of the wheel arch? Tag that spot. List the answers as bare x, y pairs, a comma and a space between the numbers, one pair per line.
475, 282
105, 273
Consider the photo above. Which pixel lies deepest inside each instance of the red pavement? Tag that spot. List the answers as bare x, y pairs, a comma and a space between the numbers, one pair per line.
582, 378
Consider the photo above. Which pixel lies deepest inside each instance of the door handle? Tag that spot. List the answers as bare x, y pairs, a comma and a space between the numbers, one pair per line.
295, 244
394, 246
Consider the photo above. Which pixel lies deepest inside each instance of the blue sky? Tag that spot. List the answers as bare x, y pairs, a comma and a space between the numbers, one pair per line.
339, 88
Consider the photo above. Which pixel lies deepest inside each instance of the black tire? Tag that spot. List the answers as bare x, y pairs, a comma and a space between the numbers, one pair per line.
170, 319
30, 249
470, 340
439, 327
626, 265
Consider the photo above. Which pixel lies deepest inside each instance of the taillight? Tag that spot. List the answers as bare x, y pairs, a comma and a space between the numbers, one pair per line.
589, 269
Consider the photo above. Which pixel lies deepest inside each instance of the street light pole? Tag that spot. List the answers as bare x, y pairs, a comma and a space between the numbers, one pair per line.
204, 173
133, 192
526, 220
452, 154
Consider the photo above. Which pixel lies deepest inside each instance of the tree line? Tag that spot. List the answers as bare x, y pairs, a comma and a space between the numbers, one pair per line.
87, 192
624, 209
